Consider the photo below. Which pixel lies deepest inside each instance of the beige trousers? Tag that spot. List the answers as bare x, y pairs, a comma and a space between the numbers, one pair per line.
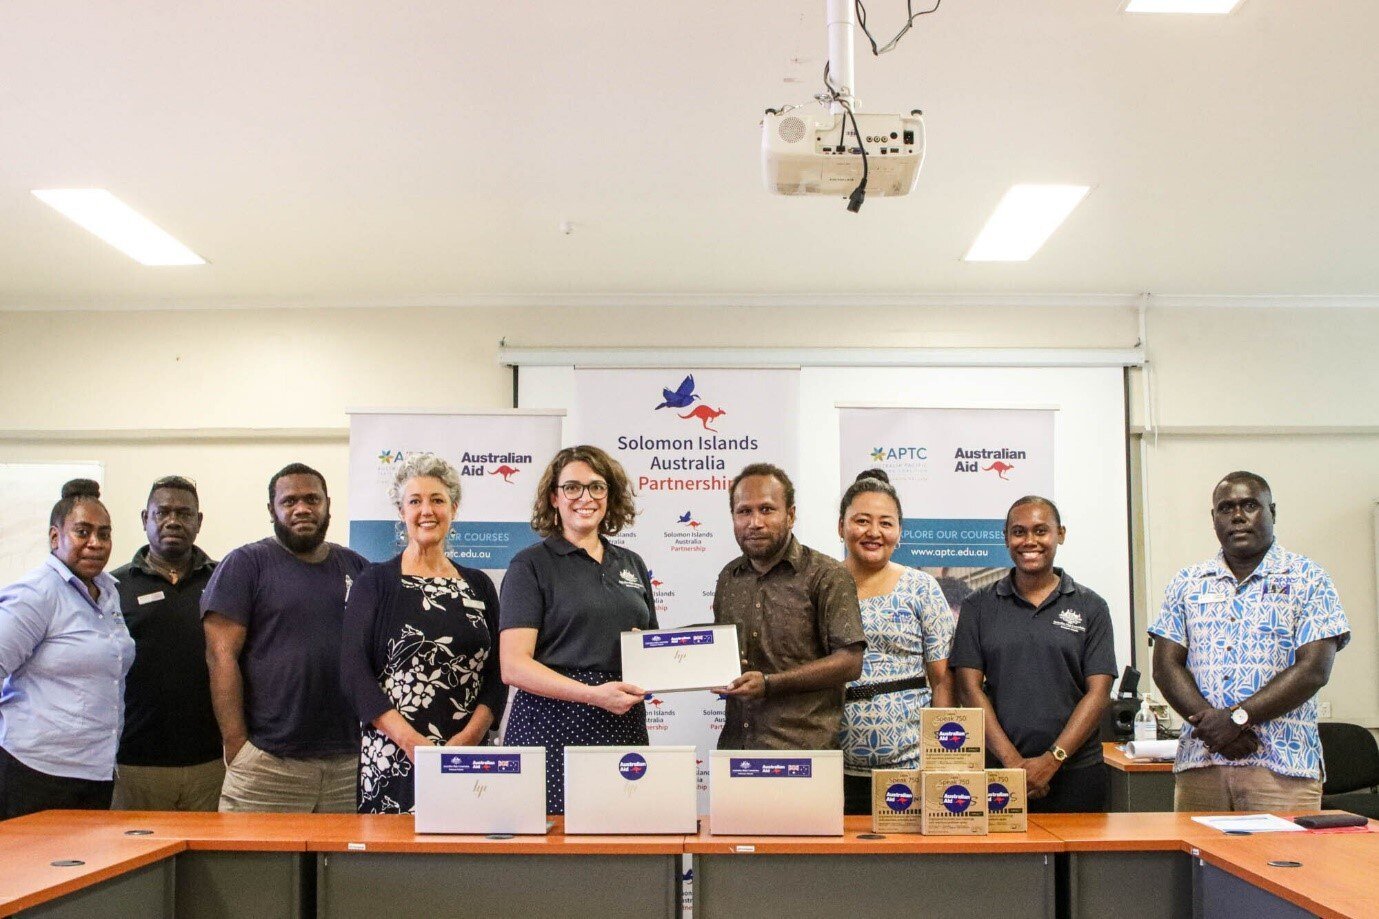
260, 781
1244, 788
168, 788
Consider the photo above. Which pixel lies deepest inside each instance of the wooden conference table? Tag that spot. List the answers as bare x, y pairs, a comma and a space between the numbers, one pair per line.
270, 865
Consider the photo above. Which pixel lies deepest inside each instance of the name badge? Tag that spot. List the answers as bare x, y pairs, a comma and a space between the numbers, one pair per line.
151, 598
472, 603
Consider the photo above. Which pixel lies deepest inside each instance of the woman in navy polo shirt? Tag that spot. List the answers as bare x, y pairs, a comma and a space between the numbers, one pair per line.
1042, 644
565, 601
64, 654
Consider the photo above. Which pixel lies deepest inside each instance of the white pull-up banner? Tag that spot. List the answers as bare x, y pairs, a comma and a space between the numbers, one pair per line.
499, 456
956, 470
682, 435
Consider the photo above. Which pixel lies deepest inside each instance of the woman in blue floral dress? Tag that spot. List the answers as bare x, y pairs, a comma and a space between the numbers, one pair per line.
909, 629
419, 661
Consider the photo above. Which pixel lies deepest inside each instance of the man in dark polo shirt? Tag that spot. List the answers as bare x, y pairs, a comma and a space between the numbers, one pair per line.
169, 756
273, 614
798, 621
1035, 650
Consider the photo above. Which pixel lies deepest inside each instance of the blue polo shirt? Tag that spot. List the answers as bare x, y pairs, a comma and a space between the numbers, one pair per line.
63, 658
1037, 659
578, 606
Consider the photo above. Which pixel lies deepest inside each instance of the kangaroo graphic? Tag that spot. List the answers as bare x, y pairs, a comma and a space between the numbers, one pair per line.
705, 414
695, 524
505, 472
999, 468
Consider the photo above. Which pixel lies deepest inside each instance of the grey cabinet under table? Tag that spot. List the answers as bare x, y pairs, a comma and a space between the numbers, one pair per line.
959, 886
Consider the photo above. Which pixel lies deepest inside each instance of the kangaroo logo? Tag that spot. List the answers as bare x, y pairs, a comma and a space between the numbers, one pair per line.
999, 468
705, 414
695, 524
506, 472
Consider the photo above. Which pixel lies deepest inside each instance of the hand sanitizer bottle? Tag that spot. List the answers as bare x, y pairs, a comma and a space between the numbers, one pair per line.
1146, 727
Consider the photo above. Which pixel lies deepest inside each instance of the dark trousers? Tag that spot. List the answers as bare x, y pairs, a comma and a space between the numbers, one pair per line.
28, 791
856, 794
1076, 791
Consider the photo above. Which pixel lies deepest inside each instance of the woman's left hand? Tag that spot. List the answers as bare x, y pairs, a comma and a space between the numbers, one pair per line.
469, 737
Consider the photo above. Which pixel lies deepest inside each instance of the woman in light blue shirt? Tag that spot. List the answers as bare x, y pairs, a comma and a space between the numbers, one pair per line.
64, 653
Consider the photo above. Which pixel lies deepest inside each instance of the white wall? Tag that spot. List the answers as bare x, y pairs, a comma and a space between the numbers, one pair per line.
1289, 393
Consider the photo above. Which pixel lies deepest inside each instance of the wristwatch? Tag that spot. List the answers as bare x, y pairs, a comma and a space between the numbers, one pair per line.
1058, 753
1239, 715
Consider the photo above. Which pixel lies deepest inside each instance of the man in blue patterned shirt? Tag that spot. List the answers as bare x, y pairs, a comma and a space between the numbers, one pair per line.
1244, 642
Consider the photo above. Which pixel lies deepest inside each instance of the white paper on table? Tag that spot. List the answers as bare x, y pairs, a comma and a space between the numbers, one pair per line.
1251, 823
1152, 749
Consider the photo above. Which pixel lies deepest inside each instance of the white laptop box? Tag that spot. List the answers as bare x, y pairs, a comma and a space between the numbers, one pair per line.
776, 792
672, 660
480, 789
630, 790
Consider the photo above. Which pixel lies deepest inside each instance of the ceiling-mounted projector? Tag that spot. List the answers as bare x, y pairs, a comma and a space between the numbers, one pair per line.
809, 151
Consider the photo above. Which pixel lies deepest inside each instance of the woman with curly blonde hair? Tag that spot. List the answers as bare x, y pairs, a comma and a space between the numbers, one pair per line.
419, 662
565, 602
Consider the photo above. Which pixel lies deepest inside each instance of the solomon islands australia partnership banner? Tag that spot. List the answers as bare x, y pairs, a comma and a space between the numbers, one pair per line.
682, 435
957, 471
499, 456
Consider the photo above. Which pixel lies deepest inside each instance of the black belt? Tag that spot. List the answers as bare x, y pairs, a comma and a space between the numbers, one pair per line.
861, 693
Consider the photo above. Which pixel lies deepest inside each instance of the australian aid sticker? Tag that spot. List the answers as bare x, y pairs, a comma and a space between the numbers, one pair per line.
997, 797
957, 799
481, 763
678, 639
752, 768
951, 735
900, 797
632, 766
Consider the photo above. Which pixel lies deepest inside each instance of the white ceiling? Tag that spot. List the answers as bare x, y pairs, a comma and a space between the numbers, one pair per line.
364, 152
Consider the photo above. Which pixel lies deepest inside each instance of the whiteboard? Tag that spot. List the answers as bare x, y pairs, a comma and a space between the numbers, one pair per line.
1091, 481
28, 492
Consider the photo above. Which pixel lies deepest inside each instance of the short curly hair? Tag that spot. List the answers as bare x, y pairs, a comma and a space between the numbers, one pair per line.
424, 464
621, 512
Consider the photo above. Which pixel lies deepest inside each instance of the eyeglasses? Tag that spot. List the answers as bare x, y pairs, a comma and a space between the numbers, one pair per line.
573, 490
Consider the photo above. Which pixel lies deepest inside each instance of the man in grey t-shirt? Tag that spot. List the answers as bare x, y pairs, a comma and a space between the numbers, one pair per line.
273, 613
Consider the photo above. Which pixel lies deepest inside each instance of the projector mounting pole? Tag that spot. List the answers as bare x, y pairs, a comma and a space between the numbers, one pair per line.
842, 22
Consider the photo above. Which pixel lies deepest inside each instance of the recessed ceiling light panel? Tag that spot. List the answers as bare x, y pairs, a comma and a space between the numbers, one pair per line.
101, 213
1209, 7
1024, 220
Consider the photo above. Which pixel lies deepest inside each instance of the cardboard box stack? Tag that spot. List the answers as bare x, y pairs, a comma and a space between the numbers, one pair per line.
953, 794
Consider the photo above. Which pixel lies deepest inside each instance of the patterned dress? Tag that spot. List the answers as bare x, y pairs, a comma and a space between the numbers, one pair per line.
432, 676
906, 627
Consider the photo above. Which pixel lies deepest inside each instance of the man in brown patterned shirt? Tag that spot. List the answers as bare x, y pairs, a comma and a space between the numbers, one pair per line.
798, 623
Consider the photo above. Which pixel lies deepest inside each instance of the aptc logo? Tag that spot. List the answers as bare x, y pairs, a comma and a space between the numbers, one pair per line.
632, 766
957, 799
899, 797
899, 454
997, 797
951, 735
683, 397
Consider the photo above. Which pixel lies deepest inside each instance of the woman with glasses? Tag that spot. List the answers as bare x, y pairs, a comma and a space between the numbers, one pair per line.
64, 653
565, 601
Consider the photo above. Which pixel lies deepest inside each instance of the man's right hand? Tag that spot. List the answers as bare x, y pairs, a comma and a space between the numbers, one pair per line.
232, 747
1244, 745
616, 697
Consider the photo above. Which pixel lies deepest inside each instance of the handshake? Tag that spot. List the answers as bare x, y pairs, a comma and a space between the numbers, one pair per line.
1223, 736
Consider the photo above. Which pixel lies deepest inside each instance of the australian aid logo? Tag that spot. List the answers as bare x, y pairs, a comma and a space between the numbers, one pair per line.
999, 461
506, 465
